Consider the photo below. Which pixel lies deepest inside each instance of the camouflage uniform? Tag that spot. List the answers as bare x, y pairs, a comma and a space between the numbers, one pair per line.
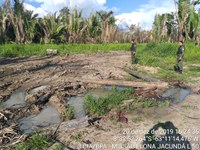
133, 52
179, 64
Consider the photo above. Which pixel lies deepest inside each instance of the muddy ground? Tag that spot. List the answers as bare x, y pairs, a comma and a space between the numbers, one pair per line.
63, 76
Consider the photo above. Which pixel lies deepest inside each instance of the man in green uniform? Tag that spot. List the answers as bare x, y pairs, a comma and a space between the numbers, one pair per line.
133, 51
180, 54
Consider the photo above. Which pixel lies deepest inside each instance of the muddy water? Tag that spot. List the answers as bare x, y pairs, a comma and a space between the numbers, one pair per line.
49, 114
77, 103
16, 100
176, 94
46, 117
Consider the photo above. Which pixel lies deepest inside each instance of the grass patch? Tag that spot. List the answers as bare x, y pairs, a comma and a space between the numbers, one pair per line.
16, 50
137, 119
147, 103
77, 137
102, 105
35, 142
69, 113
187, 107
58, 146
194, 68
163, 55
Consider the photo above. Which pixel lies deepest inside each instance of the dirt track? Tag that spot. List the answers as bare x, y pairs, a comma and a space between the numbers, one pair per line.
59, 70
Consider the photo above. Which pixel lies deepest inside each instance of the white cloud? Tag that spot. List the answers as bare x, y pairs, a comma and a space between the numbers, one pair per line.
29, 7
145, 14
38, 10
52, 6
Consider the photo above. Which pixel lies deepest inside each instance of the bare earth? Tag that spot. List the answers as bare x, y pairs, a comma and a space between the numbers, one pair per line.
72, 69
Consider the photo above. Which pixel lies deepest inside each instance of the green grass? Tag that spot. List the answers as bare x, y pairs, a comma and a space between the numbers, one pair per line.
187, 107
163, 55
137, 119
35, 142
78, 136
14, 50
69, 113
102, 105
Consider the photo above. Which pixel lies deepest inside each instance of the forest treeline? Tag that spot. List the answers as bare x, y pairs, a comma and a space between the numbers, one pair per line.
21, 26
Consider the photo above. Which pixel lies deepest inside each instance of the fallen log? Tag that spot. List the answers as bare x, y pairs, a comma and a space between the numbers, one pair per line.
43, 99
40, 101
129, 83
141, 76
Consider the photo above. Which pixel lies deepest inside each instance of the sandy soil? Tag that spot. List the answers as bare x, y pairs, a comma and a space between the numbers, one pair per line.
107, 134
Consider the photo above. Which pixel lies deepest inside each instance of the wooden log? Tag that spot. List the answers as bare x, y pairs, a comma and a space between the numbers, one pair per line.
141, 76
43, 99
129, 83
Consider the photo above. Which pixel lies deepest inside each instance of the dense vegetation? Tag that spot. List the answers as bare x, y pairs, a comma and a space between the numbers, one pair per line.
18, 25
182, 24
15, 50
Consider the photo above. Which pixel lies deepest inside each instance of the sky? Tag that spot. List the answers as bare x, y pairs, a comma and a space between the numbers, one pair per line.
127, 12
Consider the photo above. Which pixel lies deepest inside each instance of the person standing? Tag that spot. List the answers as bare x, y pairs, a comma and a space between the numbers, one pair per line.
180, 54
133, 51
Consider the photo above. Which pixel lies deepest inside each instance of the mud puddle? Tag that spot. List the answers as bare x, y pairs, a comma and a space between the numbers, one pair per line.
48, 116
16, 100
78, 103
176, 94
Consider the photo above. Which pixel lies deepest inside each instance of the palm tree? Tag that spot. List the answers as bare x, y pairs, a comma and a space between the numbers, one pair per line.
3, 20
76, 26
94, 28
107, 20
30, 21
